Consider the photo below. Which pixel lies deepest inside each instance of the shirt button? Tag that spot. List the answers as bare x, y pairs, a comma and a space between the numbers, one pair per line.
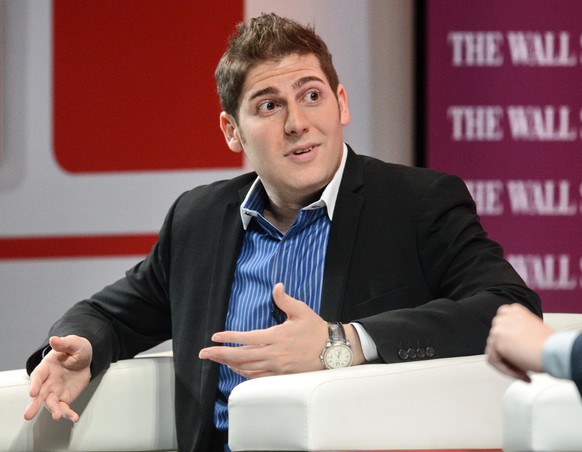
411, 353
429, 352
402, 354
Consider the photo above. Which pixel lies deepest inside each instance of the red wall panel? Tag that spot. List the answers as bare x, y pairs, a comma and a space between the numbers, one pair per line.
133, 85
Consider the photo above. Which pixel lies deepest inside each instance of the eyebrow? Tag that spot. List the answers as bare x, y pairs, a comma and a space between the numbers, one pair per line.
296, 85
303, 80
262, 92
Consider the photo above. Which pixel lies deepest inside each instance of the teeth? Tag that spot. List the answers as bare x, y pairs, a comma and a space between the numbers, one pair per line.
302, 151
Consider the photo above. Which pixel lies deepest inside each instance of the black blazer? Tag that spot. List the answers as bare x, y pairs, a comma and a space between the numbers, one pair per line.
407, 258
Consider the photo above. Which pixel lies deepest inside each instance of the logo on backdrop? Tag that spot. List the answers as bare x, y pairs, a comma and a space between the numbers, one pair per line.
511, 126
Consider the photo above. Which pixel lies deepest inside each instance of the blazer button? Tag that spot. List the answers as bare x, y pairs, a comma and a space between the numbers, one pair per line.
411, 353
429, 352
402, 354
420, 353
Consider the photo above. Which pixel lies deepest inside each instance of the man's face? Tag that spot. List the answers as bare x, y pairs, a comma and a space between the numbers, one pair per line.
290, 127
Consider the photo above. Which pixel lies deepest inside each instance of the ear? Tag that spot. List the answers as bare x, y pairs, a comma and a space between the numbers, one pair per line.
231, 133
342, 99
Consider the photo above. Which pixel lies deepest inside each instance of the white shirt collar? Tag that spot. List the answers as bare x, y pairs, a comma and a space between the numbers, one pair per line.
328, 197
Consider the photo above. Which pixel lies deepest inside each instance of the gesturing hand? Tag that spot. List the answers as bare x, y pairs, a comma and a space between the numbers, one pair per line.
60, 377
294, 346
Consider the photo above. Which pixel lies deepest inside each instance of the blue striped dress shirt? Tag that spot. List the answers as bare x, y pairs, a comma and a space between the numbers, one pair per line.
267, 257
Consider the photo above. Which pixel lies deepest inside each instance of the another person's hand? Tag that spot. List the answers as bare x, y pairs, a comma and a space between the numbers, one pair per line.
291, 347
516, 341
60, 377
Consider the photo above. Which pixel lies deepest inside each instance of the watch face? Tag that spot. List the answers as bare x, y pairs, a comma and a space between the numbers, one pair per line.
338, 355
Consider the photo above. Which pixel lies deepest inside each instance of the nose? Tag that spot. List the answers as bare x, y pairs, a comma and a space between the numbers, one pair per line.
296, 122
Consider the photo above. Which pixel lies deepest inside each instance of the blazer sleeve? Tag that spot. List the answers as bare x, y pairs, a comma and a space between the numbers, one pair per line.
464, 275
126, 317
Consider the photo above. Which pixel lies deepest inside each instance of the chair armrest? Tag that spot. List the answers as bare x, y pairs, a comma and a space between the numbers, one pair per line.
562, 321
543, 415
437, 404
129, 407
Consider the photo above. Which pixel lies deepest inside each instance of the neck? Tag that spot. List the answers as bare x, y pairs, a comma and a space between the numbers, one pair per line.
282, 219
282, 213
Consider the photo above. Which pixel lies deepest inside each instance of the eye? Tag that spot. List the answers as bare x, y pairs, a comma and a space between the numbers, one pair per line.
312, 96
267, 106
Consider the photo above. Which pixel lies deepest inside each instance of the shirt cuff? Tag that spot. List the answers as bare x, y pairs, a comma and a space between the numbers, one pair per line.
556, 353
368, 345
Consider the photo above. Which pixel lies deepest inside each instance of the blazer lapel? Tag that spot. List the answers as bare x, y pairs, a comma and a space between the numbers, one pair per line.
222, 274
341, 239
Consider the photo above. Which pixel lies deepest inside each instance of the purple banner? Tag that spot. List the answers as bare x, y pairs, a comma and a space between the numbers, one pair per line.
504, 112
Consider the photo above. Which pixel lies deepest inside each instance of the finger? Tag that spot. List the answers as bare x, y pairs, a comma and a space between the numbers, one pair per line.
281, 298
67, 344
286, 303
507, 368
514, 372
234, 356
278, 291
67, 412
37, 378
32, 409
495, 359
254, 337
249, 367
250, 374
503, 308
492, 355
52, 405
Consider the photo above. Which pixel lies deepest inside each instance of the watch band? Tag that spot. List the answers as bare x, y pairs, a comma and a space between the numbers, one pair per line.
337, 332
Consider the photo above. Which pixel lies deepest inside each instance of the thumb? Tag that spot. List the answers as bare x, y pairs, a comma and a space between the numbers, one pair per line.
286, 303
67, 344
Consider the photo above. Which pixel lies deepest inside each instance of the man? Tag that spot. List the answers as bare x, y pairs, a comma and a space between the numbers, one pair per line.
520, 342
266, 260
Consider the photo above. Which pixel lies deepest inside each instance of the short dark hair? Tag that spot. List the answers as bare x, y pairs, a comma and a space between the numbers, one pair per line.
268, 37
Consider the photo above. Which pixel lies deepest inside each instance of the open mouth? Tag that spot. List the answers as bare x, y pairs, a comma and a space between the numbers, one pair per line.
303, 151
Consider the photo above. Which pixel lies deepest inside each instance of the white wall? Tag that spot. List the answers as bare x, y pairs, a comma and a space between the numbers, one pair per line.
372, 46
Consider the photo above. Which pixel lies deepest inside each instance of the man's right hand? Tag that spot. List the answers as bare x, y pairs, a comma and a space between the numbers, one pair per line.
60, 377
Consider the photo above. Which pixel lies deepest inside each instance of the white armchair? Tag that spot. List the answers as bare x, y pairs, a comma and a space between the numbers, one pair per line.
130, 407
453, 403
437, 404
544, 415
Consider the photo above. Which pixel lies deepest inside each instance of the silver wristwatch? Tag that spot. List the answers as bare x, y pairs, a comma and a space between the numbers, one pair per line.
338, 350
